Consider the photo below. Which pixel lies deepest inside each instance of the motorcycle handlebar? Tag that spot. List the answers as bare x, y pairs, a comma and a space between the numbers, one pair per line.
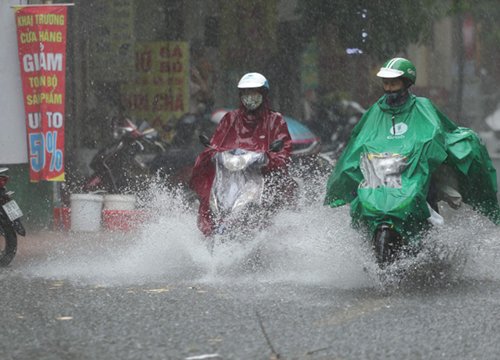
275, 146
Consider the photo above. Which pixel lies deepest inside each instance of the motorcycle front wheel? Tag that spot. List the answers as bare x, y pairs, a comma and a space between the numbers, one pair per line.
387, 245
8, 242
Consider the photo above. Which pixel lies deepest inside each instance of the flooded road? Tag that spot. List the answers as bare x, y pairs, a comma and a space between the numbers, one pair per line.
305, 288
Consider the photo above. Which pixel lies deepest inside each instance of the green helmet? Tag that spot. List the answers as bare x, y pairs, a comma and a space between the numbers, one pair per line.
398, 67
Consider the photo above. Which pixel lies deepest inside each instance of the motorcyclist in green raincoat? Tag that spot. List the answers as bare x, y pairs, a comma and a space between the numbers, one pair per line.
404, 156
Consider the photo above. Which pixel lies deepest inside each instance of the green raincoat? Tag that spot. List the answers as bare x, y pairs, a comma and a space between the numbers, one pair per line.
385, 171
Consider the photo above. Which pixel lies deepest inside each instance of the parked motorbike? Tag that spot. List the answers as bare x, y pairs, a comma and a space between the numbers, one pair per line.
238, 195
335, 124
119, 168
175, 163
10, 221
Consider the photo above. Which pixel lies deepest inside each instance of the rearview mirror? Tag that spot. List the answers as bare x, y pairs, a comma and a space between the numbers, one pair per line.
276, 145
204, 140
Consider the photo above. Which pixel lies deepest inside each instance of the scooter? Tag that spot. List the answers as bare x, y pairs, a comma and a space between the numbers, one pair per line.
397, 167
383, 199
10, 222
176, 162
119, 168
399, 205
238, 196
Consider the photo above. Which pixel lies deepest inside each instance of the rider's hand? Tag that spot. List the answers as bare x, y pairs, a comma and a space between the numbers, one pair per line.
262, 161
216, 156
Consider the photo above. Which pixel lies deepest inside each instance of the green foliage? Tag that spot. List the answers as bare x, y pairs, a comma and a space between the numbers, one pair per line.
389, 25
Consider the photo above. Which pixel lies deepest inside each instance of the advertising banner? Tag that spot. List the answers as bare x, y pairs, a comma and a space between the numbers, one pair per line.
41, 39
160, 92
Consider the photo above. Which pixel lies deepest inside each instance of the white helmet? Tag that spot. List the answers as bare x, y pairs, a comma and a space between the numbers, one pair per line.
253, 80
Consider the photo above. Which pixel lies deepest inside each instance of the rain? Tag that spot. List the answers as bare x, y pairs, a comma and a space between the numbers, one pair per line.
143, 83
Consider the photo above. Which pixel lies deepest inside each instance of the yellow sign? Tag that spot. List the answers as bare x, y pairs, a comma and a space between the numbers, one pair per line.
160, 92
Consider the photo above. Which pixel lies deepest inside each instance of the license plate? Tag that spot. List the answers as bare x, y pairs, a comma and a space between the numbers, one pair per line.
12, 210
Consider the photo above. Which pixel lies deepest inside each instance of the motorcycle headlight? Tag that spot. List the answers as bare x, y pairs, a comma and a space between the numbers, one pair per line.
234, 162
238, 159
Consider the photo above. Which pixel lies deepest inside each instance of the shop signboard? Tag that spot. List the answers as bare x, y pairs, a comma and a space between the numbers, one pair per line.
159, 92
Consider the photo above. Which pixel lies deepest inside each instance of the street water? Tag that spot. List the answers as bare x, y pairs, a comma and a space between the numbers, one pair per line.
312, 244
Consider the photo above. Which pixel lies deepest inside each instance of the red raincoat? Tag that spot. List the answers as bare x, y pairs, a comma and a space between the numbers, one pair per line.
239, 129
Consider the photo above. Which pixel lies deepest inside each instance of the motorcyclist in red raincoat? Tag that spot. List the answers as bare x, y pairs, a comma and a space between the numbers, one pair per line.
254, 127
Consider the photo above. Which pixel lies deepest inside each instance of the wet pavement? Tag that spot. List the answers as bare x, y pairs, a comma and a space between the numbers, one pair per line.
158, 293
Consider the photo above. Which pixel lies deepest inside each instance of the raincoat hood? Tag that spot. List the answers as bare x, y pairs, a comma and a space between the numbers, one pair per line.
251, 130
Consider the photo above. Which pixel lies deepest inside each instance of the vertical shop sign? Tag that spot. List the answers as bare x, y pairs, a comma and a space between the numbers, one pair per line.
41, 39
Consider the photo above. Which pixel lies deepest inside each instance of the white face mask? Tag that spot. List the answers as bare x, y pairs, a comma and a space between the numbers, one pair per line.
251, 101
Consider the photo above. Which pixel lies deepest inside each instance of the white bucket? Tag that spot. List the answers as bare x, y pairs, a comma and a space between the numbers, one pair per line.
119, 202
86, 212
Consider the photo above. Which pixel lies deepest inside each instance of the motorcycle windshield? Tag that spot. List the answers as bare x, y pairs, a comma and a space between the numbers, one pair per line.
382, 170
238, 181
393, 188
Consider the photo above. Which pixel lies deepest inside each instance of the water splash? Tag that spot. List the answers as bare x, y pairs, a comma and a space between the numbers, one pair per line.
312, 244
463, 249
